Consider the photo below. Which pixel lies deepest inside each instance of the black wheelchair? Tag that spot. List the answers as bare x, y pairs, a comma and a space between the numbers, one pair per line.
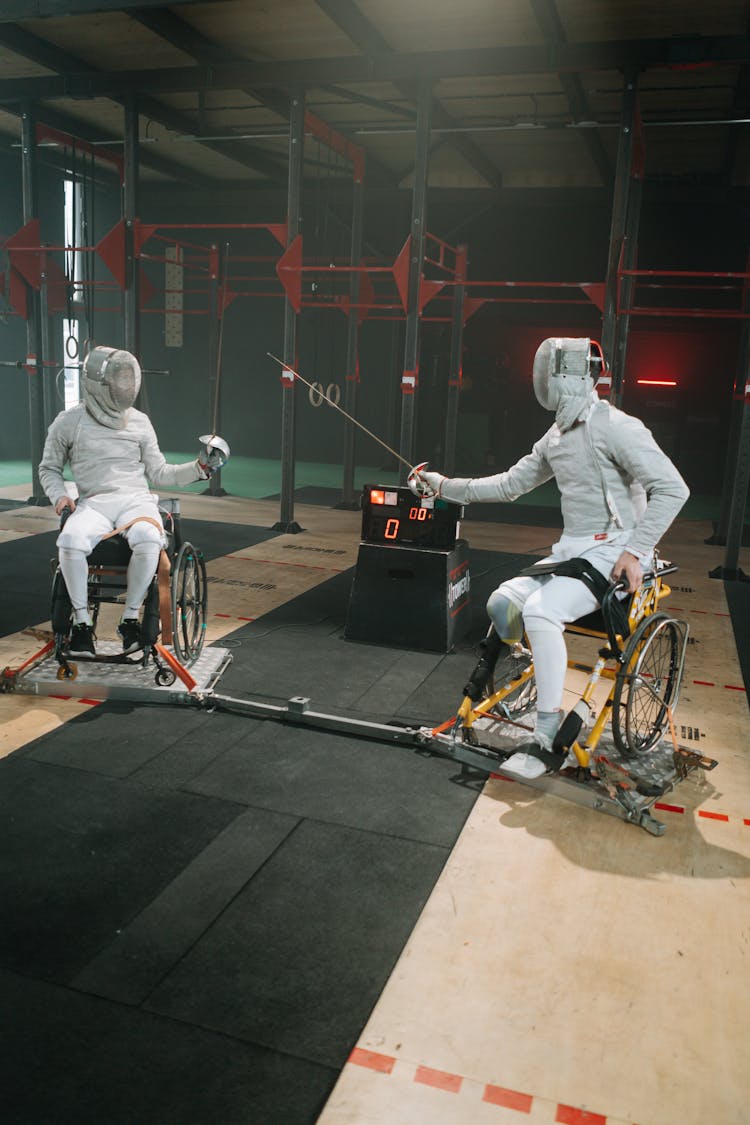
174, 610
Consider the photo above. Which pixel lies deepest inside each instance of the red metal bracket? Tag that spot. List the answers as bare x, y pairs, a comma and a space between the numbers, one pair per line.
44, 132
400, 272
409, 382
24, 252
596, 293
289, 272
111, 250
428, 290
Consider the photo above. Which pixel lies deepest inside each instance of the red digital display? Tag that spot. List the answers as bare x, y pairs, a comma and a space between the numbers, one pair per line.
394, 516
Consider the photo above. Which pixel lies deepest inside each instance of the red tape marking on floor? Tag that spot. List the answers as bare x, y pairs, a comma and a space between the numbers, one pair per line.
746, 822
569, 1115
734, 687
440, 1079
704, 683
668, 808
92, 702
384, 1064
509, 1099
228, 617
713, 815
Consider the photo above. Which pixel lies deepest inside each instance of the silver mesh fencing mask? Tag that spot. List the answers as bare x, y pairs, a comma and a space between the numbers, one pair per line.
564, 373
111, 380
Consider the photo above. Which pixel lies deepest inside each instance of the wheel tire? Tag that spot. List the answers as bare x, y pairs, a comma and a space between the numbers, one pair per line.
69, 673
652, 663
519, 701
164, 677
189, 596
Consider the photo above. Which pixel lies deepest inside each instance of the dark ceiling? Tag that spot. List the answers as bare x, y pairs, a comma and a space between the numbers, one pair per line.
525, 93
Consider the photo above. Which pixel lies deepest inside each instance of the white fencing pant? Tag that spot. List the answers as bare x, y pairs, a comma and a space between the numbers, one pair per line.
91, 521
548, 603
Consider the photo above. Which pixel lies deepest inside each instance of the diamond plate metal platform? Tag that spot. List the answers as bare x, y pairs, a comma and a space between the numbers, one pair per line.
122, 681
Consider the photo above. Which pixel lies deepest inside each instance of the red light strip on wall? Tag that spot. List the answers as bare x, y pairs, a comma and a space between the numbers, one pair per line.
656, 382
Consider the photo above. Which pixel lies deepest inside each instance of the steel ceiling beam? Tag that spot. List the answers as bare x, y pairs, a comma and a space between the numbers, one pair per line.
347, 16
740, 108
38, 50
548, 18
12, 10
564, 58
182, 35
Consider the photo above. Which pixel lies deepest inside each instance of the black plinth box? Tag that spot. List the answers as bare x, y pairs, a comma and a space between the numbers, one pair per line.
410, 597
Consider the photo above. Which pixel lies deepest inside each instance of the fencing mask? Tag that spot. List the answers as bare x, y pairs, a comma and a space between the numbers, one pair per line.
565, 371
111, 380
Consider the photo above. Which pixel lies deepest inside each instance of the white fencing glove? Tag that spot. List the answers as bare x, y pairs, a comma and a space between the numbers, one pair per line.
434, 486
423, 484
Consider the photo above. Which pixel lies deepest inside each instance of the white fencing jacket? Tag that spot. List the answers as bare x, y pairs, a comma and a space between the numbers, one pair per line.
602, 467
106, 461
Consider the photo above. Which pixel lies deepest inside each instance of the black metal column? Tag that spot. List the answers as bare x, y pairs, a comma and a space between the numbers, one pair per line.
131, 325
348, 498
456, 363
47, 373
741, 483
34, 341
215, 330
410, 376
623, 236
719, 536
286, 521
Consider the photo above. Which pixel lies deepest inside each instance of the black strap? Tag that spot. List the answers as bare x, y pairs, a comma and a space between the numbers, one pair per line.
594, 581
552, 760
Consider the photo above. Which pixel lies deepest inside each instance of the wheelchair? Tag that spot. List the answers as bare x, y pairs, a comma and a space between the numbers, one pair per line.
174, 610
617, 755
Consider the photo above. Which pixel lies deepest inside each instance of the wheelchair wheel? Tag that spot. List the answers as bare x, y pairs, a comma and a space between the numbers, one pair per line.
647, 684
522, 699
189, 603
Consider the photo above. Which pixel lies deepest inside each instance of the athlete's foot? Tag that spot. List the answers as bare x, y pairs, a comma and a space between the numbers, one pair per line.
82, 640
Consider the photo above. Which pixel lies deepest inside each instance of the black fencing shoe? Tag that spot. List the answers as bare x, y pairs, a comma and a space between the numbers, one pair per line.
130, 631
82, 640
492, 648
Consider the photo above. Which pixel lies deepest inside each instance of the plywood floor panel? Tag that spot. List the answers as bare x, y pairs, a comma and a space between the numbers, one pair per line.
572, 960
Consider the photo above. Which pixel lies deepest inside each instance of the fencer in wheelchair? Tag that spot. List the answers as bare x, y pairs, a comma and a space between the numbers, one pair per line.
114, 456
619, 494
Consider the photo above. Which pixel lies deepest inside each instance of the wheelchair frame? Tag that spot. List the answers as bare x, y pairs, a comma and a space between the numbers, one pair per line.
179, 612
644, 668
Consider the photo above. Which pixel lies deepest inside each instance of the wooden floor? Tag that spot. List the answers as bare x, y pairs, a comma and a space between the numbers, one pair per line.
568, 967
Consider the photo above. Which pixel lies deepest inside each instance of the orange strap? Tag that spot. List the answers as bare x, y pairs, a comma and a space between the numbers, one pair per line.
145, 519
163, 572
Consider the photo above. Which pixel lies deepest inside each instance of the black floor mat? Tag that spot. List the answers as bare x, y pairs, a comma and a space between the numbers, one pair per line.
175, 880
71, 1059
26, 567
738, 600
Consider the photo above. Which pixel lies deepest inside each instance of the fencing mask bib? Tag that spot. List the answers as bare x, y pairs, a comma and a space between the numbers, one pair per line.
111, 380
564, 374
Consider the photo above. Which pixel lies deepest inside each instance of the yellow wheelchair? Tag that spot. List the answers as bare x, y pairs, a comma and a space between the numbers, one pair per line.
616, 749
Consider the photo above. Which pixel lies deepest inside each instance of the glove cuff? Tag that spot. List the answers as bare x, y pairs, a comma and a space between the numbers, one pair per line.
454, 489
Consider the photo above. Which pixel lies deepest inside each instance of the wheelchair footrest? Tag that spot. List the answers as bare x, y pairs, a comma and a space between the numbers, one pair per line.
626, 787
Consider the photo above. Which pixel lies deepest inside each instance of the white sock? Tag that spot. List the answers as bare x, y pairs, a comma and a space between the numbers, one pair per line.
547, 724
141, 571
74, 567
550, 662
